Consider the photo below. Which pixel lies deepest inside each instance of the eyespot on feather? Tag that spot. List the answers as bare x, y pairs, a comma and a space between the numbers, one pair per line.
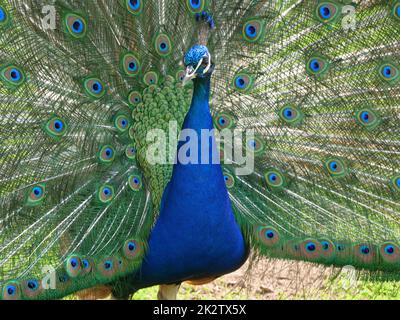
36, 195
107, 267
135, 7
395, 183
390, 253
31, 288
256, 146
73, 266
150, 78
75, 25
229, 180
268, 236
55, 127
291, 115
12, 76
365, 253
368, 118
94, 87
396, 11
196, 6
130, 64
327, 11
389, 72
132, 249
275, 179
317, 66
328, 249
253, 30
224, 121
106, 154
134, 98
336, 167
105, 194
11, 291
243, 82
122, 123
311, 249
130, 152
4, 17
163, 45
135, 183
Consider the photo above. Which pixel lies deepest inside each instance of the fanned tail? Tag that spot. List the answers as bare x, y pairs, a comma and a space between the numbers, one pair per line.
323, 99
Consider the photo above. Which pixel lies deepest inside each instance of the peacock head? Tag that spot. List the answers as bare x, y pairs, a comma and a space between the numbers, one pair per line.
198, 63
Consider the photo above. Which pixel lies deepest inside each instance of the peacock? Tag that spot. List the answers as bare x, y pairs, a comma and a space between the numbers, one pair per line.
293, 107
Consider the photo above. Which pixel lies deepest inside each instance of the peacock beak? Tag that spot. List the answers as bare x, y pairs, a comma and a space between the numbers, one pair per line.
191, 73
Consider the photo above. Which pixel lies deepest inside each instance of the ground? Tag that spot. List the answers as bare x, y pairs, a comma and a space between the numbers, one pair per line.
280, 280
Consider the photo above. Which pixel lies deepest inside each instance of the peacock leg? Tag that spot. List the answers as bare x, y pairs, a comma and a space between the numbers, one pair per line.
168, 292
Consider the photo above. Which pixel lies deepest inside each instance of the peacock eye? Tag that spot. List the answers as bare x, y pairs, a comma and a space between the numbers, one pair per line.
11, 291
163, 45
12, 76
150, 78
108, 265
3, 16
36, 195
396, 183
368, 118
94, 88
73, 266
390, 252
229, 180
389, 72
325, 245
317, 66
327, 11
106, 154
252, 30
365, 250
130, 152
130, 64
33, 285
121, 123
396, 10
243, 82
291, 115
75, 25
336, 167
275, 180
224, 121
134, 6
85, 263
180, 75
256, 145
134, 98
131, 249
196, 6
311, 247
55, 127
135, 183
31, 288
389, 249
105, 194
268, 236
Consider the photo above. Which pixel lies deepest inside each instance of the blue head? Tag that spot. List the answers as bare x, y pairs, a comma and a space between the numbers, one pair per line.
198, 63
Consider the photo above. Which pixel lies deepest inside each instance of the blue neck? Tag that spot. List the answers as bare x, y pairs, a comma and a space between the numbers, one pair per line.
196, 234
